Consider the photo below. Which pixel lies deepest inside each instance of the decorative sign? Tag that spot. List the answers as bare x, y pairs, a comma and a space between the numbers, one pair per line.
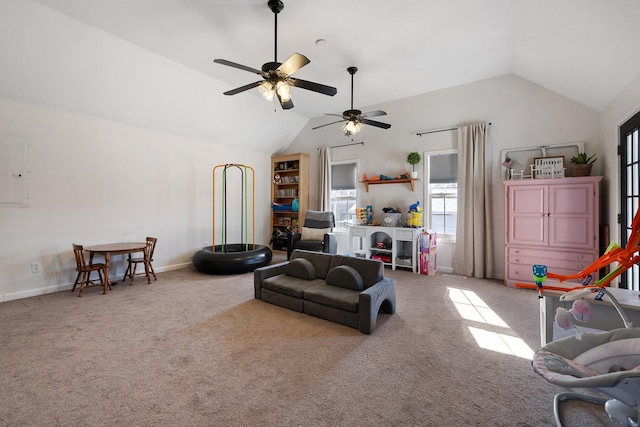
548, 167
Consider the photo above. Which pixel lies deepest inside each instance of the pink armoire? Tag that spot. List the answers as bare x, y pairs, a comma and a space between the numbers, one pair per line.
552, 221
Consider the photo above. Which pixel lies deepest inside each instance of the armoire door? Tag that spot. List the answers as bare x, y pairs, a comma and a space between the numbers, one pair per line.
571, 216
528, 219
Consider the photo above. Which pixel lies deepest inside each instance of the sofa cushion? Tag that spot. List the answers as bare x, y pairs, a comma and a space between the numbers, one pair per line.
320, 261
345, 277
372, 271
333, 296
313, 233
301, 268
288, 285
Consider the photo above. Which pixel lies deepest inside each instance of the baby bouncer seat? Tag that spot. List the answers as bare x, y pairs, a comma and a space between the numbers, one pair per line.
605, 362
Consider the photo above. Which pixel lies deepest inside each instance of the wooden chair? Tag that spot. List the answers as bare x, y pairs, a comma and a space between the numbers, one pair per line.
134, 261
84, 272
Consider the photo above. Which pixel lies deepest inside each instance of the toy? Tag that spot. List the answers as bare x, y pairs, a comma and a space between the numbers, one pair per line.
233, 258
391, 210
581, 310
277, 179
361, 216
369, 210
539, 273
415, 215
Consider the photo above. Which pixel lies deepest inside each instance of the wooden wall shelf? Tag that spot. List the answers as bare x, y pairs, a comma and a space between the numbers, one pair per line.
410, 181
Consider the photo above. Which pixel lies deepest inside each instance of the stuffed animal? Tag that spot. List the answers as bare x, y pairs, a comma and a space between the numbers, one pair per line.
581, 310
277, 179
563, 318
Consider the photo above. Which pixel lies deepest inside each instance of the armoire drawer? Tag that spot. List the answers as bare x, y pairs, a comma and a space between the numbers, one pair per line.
534, 253
522, 273
553, 264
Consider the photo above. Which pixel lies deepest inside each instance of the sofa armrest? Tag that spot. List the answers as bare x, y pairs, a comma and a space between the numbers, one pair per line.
259, 274
381, 297
292, 238
330, 244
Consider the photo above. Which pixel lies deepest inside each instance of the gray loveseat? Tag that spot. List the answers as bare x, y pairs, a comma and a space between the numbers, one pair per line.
346, 290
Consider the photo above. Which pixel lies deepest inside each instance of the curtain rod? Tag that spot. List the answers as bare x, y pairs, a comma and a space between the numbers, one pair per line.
346, 145
439, 130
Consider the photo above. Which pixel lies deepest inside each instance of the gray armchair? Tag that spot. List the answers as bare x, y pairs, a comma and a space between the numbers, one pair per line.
315, 234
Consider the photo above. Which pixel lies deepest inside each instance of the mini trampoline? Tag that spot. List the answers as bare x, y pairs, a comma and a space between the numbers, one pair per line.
233, 258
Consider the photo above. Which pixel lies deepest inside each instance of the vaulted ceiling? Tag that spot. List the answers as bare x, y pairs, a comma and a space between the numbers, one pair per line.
585, 50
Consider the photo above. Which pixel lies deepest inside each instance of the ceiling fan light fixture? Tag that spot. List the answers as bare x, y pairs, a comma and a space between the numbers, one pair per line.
352, 127
266, 90
284, 91
353, 119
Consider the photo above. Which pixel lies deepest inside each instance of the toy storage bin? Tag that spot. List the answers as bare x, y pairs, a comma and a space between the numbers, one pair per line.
391, 220
415, 219
277, 207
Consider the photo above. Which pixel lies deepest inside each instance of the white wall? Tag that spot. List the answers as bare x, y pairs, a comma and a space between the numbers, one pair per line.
522, 114
96, 181
122, 146
52, 60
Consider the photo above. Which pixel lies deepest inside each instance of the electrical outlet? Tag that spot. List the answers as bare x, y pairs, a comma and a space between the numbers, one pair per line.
36, 267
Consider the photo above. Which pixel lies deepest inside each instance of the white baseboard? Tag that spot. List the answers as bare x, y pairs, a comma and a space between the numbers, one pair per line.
68, 286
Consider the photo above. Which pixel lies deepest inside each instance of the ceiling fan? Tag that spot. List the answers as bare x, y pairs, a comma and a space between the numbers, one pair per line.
277, 76
355, 119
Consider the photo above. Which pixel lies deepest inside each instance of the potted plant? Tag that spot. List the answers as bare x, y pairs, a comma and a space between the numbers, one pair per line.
413, 159
581, 164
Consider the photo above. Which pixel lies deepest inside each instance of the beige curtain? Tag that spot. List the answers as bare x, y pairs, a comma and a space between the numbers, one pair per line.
474, 235
324, 178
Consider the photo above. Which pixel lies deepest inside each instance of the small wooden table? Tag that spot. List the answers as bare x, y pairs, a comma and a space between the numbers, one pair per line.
109, 249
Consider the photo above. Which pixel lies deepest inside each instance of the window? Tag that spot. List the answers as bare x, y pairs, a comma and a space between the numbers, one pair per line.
343, 192
441, 169
630, 191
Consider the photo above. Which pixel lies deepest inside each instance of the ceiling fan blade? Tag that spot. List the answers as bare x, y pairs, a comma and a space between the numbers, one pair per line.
330, 114
332, 123
293, 64
315, 87
236, 65
374, 113
376, 124
243, 88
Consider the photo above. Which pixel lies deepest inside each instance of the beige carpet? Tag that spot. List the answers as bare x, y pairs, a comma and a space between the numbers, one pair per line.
199, 350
